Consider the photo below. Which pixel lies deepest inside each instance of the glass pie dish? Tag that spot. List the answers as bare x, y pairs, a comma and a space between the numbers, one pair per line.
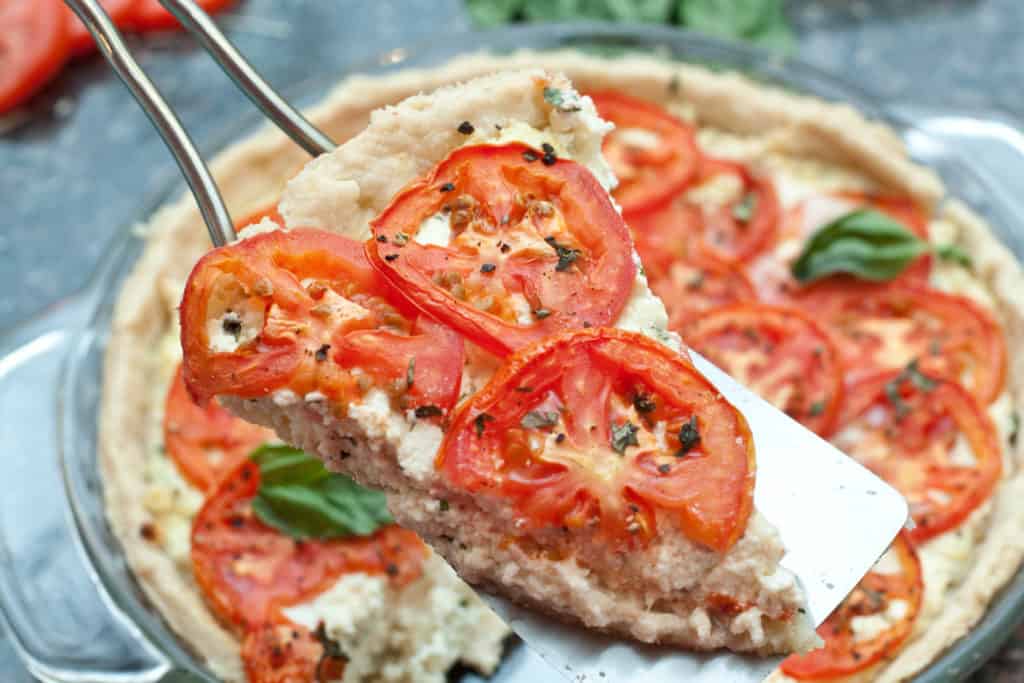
72, 607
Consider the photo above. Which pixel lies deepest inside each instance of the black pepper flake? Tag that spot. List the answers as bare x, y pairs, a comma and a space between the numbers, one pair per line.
548, 149
466, 128
560, 438
549, 159
232, 324
392, 569
480, 422
148, 531
488, 268
391, 257
541, 313
447, 187
428, 411
664, 469
644, 403
530, 155
382, 239
321, 353
443, 505
505, 248
566, 255
344, 455
236, 521
689, 437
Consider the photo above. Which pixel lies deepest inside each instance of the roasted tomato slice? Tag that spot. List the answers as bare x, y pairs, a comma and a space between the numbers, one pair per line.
507, 245
731, 212
34, 44
653, 154
887, 326
693, 287
928, 438
303, 310
604, 431
206, 442
247, 569
779, 353
771, 272
288, 653
871, 623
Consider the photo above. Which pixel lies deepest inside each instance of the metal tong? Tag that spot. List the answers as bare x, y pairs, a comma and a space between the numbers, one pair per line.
197, 174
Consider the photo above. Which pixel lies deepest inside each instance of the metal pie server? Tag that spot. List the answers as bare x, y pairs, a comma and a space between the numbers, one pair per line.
835, 517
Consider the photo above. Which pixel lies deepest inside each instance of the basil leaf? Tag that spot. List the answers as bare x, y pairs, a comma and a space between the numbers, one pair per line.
864, 243
758, 21
954, 254
489, 13
648, 11
300, 498
554, 10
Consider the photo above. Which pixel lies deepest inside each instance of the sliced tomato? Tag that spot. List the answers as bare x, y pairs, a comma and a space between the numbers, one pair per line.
886, 326
597, 431
119, 11
772, 270
247, 570
890, 592
779, 353
150, 15
34, 44
928, 438
303, 310
288, 653
206, 442
653, 153
270, 212
536, 246
693, 287
734, 230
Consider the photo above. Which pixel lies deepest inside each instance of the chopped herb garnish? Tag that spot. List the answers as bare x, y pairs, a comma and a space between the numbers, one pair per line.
554, 97
447, 187
391, 257
401, 239
428, 411
488, 268
480, 422
816, 409
919, 380
689, 437
912, 374
410, 373
954, 254
566, 255
541, 313
539, 419
232, 324
443, 505
892, 392
466, 128
644, 403
624, 436
321, 353
549, 158
529, 155
505, 248
745, 208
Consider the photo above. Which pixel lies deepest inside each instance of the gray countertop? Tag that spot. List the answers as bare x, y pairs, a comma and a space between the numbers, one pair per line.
78, 163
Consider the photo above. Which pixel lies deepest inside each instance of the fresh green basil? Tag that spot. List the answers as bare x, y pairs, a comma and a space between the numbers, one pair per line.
490, 13
300, 498
954, 254
757, 21
864, 243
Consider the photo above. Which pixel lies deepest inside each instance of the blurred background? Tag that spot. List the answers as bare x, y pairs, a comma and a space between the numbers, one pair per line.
78, 159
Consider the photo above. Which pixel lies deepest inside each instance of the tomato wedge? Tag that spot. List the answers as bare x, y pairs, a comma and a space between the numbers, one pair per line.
119, 11
779, 353
248, 570
150, 15
886, 326
908, 427
891, 591
653, 154
288, 653
599, 430
303, 310
34, 45
772, 270
535, 246
735, 230
206, 442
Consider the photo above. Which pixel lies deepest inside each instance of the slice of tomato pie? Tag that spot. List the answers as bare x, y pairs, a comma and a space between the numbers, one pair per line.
456, 315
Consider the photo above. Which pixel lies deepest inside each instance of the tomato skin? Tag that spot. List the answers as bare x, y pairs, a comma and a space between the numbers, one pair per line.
693, 287
298, 337
591, 290
948, 334
150, 15
709, 490
34, 45
248, 570
647, 177
191, 432
909, 446
286, 653
841, 656
794, 352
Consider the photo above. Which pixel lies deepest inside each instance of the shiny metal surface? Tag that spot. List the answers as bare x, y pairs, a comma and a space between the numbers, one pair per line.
278, 110
112, 46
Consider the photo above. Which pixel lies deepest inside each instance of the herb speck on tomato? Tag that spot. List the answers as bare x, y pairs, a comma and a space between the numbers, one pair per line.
488, 268
689, 437
664, 469
644, 403
391, 257
382, 239
566, 255
529, 155
480, 423
428, 411
466, 128
541, 313
447, 187
624, 436
232, 324
321, 353
539, 419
